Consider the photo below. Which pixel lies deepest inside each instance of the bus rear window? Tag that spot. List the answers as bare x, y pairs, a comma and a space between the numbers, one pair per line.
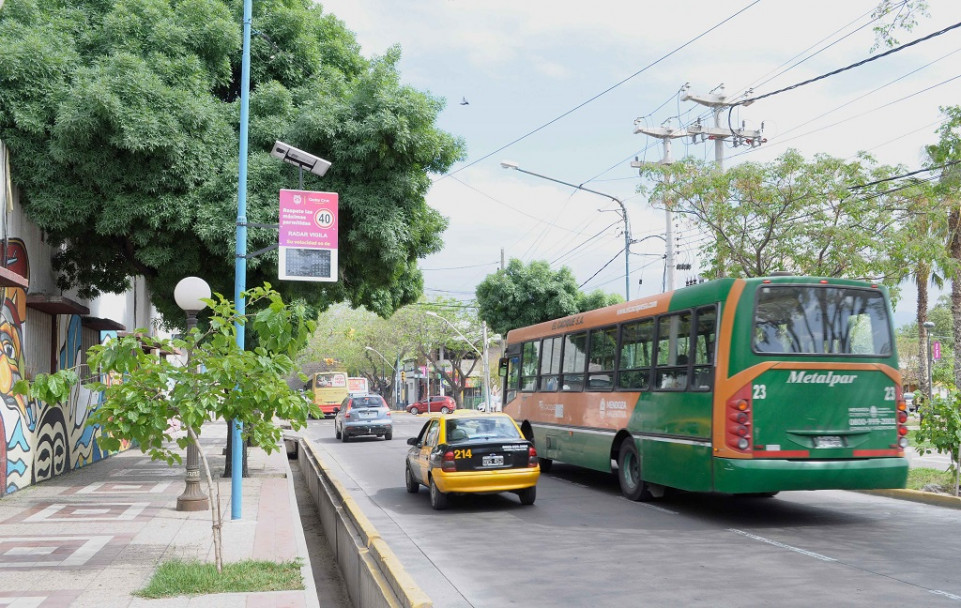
816, 320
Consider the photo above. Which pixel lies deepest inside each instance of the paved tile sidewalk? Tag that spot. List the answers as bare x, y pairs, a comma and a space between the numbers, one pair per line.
92, 537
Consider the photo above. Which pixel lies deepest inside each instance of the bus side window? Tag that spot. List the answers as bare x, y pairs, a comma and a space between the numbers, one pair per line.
575, 360
513, 377
704, 345
600, 364
550, 363
673, 351
530, 361
637, 347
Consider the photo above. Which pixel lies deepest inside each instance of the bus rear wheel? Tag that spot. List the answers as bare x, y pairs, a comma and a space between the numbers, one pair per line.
633, 487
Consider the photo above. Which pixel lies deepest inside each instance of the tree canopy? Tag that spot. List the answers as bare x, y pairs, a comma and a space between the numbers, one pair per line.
122, 117
827, 217
521, 295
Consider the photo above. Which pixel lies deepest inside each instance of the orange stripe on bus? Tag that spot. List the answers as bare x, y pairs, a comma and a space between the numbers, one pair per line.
602, 317
725, 387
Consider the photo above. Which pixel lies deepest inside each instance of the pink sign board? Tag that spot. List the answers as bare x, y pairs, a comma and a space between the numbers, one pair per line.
936, 351
308, 220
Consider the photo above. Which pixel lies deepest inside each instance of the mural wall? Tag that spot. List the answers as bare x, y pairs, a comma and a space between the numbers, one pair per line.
39, 440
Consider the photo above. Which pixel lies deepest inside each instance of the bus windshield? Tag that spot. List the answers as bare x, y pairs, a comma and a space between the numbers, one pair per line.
819, 320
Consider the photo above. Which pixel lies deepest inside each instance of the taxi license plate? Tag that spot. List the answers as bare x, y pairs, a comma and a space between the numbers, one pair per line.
494, 460
828, 441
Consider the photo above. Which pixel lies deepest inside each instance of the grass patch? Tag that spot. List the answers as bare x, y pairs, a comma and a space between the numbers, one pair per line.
200, 578
922, 476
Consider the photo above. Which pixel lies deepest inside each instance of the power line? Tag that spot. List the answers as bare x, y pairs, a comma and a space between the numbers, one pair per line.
601, 94
750, 100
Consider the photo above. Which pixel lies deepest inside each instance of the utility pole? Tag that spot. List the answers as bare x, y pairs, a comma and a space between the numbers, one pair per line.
717, 101
665, 134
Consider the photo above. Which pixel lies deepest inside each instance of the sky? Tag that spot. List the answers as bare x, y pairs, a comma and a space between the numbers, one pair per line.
559, 88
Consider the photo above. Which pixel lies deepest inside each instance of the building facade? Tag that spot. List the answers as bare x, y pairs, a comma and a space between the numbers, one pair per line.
42, 330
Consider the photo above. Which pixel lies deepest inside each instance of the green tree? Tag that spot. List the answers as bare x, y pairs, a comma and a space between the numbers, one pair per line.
219, 382
940, 430
893, 15
122, 117
945, 157
521, 295
827, 217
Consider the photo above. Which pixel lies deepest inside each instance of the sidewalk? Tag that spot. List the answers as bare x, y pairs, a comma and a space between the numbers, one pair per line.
92, 537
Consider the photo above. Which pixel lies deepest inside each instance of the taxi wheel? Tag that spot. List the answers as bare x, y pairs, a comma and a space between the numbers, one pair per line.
414, 411
633, 487
412, 484
438, 500
527, 495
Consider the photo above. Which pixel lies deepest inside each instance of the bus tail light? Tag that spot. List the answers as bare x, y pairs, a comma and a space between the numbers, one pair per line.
902, 420
448, 465
531, 457
739, 418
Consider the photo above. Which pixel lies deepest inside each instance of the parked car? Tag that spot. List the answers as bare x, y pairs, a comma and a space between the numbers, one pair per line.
363, 415
438, 403
469, 452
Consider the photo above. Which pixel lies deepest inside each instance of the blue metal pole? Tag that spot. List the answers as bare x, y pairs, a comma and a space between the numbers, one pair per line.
240, 263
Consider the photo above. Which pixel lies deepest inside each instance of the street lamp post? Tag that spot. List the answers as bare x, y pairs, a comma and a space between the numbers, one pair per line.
484, 355
627, 228
189, 294
929, 325
379, 354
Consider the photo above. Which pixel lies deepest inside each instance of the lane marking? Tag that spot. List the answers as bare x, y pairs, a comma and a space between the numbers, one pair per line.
945, 594
775, 543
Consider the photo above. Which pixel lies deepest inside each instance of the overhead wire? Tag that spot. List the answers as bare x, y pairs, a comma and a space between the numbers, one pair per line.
857, 64
602, 93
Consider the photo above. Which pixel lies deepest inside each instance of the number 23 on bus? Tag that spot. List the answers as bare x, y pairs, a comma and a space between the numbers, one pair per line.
743, 386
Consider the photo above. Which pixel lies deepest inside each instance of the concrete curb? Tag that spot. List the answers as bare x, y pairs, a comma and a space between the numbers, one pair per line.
373, 574
930, 498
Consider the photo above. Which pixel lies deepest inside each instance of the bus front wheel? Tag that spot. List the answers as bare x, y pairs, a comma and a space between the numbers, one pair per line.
629, 473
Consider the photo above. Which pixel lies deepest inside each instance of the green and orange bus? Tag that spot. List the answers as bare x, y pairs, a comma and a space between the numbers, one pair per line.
736, 386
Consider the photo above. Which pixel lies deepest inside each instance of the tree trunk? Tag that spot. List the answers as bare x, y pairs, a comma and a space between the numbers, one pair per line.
213, 497
229, 463
954, 251
922, 275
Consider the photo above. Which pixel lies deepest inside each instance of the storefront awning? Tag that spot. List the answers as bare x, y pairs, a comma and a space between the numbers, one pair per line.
55, 305
101, 324
9, 278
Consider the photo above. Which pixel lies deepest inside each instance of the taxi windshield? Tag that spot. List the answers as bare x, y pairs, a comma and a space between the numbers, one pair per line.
495, 427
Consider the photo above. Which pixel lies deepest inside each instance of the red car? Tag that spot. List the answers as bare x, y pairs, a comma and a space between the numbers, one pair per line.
439, 403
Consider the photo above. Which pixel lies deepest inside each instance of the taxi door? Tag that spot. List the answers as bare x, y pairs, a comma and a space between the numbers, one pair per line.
428, 445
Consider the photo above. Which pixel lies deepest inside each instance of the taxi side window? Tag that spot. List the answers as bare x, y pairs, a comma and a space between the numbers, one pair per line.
432, 433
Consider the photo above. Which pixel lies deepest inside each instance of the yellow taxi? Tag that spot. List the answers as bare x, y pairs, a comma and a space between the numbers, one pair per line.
470, 452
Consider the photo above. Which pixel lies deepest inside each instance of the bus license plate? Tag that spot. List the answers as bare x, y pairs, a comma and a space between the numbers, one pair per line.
494, 460
828, 441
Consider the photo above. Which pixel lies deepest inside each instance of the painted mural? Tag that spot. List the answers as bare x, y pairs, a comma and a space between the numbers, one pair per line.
40, 441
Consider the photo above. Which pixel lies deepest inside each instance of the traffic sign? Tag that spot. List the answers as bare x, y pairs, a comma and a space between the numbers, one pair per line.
936, 351
308, 236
